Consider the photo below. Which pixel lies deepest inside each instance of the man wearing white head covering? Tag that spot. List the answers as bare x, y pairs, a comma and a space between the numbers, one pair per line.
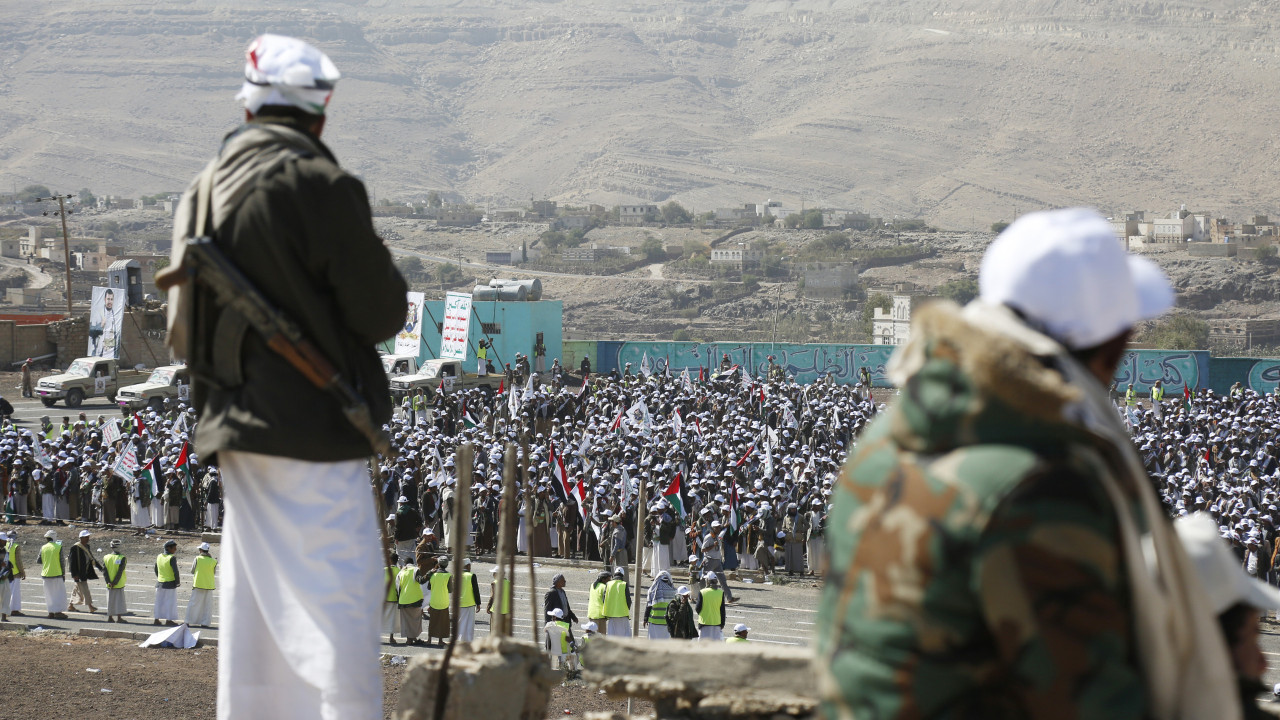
1001, 497
299, 631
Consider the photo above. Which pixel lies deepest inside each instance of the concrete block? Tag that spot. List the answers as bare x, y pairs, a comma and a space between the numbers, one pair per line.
710, 680
492, 678
213, 538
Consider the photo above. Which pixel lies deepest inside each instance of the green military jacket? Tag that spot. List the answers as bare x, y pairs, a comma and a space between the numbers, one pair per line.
974, 563
300, 229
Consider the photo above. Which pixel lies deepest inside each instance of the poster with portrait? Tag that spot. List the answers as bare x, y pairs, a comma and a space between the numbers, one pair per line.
106, 318
409, 339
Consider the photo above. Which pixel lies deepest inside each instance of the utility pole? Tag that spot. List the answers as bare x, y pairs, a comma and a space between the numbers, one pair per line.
66, 241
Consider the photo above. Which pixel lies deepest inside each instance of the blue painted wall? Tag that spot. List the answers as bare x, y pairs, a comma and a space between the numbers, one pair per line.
519, 323
805, 362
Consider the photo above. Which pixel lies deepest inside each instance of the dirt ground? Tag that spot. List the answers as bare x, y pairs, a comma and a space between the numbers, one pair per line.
56, 675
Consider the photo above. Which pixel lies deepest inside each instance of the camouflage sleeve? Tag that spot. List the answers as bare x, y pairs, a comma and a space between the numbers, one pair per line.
1050, 585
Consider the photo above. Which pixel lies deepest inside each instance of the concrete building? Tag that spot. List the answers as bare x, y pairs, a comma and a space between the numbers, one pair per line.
11, 247
457, 216
543, 208
735, 214
636, 214
1179, 227
892, 327
587, 254
576, 222
830, 280
1243, 334
741, 256
498, 258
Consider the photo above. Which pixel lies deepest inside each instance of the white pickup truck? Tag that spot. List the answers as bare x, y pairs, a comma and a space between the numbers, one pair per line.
85, 377
168, 382
399, 365
434, 372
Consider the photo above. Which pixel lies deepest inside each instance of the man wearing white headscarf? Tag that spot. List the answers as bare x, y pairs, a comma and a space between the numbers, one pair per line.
299, 630
661, 593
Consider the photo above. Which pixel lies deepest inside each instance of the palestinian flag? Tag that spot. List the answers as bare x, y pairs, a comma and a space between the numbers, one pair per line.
149, 478
468, 420
1186, 397
616, 426
184, 467
672, 495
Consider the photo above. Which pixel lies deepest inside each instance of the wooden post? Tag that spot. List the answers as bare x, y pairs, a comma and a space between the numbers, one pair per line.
457, 541
636, 602
506, 542
534, 620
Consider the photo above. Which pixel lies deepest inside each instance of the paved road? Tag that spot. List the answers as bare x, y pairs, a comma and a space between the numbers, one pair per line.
776, 615
28, 411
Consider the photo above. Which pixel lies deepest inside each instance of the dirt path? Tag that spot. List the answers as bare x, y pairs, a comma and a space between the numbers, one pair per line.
55, 675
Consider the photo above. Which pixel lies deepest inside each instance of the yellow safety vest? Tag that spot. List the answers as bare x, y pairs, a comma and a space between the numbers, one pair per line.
468, 596
1157, 393
1130, 397
564, 637
658, 613
595, 601
409, 588
735, 638
392, 594
710, 613
15, 557
205, 566
439, 591
164, 571
482, 353
113, 561
51, 559
615, 599
504, 603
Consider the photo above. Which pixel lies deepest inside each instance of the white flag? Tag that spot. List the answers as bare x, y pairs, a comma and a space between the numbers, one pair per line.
645, 368
677, 423
684, 378
528, 388
773, 436
111, 431
41, 456
746, 378
127, 465
513, 402
767, 468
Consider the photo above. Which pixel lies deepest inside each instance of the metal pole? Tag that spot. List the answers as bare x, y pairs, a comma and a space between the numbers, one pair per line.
66, 248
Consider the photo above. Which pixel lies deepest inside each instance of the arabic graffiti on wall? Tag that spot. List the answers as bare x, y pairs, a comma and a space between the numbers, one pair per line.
1264, 376
1176, 368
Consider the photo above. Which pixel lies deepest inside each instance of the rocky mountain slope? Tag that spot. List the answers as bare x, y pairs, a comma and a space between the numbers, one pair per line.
960, 111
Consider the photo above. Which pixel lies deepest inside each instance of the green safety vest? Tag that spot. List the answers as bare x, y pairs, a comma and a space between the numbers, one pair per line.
564, 637
1157, 393
468, 597
482, 353
51, 559
112, 562
658, 614
49, 432
392, 594
164, 570
205, 566
595, 601
1130, 397
735, 638
440, 591
710, 613
504, 603
615, 599
419, 401
582, 645
409, 588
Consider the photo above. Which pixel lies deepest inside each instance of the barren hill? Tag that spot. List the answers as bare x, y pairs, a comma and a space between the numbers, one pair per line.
961, 111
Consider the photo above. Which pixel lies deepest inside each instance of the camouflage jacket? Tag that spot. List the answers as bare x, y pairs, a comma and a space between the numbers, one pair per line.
973, 555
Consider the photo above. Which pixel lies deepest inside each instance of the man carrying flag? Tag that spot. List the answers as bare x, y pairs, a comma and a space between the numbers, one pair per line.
672, 496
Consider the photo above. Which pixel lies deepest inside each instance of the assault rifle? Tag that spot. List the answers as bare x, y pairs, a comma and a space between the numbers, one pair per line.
204, 263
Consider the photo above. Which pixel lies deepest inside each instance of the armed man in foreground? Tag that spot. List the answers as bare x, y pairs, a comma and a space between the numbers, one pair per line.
299, 630
987, 542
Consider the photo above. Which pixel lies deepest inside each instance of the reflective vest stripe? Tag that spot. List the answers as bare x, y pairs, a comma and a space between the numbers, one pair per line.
112, 562
468, 596
205, 567
658, 614
439, 591
164, 570
564, 637
615, 599
710, 613
51, 560
407, 586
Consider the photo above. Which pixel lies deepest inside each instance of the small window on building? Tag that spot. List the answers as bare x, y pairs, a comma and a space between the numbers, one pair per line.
491, 328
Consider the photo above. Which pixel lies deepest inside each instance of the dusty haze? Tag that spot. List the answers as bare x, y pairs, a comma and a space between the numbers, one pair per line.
961, 112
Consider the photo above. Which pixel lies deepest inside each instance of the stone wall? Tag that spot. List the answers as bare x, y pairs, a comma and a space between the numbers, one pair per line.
71, 338
142, 336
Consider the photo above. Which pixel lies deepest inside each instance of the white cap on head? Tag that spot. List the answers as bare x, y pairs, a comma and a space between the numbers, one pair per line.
682, 590
1225, 582
84, 533
280, 70
557, 613
204, 547
741, 628
590, 627
1067, 273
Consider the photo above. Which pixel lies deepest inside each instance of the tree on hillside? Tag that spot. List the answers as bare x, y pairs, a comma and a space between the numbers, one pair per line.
87, 197
959, 291
1180, 331
31, 192
811, 219
433, 199
652, 250
998, 227
673, 213
552, 239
